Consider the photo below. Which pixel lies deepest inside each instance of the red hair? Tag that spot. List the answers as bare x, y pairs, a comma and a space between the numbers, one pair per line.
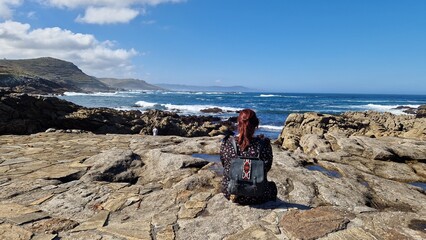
247, 124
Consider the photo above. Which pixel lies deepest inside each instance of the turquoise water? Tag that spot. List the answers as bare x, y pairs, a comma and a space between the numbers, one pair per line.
271, 108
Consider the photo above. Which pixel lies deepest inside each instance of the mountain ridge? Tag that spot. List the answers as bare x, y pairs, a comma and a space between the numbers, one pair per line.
47, 75
64, 75
183, 87
129, 84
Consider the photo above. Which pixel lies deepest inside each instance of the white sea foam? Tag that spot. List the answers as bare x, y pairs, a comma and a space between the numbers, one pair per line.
271, 128
195, 108
145, 104
269, 95
280, 96
182, 108
102, 94
384, 108
123, 108
200, 93
75, 94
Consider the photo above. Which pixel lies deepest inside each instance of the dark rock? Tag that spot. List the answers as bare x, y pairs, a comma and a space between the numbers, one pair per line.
212, 110
421, 112
407, 109
26, 114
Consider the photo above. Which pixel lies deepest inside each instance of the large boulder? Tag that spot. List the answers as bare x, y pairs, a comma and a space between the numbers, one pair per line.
112, 166
421, 112
370, 124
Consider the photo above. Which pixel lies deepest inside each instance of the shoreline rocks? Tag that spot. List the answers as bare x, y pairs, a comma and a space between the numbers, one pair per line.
74, 184
369, 124
26, 114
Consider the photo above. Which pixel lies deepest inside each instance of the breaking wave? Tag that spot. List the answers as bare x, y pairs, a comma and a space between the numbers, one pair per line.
182, 108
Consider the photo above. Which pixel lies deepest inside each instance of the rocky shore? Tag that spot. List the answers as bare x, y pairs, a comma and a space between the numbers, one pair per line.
352, 176
28, 114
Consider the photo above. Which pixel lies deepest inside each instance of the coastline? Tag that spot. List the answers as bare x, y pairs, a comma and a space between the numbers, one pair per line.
77, 184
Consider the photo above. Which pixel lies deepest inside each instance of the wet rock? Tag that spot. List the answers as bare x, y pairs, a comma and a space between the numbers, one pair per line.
407, 109
211, 110
421, 111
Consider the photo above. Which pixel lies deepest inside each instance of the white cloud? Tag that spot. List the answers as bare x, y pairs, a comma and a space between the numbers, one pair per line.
18, 40
148, 22
107, 15
104, 3
107, 11
5, 8
32, 15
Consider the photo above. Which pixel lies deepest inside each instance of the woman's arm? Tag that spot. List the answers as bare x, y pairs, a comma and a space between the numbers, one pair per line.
226, 151
266, 154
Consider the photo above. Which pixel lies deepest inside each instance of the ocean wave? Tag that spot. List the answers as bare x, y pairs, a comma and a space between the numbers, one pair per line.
103, 94
144, 104
271, 128
196, 108
123, 108
384, 108
200, 93
182, 108
280, 96
269, 95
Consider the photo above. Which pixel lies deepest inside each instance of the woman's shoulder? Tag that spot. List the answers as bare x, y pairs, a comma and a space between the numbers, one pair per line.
227, 138
262, 139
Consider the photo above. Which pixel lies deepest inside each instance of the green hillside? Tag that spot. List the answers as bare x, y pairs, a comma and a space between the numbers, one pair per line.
64, 73
129, 84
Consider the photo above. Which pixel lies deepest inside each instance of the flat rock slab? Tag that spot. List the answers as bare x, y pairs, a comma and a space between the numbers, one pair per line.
44, 236
16, 161
9, 231
52, 225
129, 230
314, 223
95, 222
11, 210
350, 234
253, 232
41, 200
55, 172
29, 217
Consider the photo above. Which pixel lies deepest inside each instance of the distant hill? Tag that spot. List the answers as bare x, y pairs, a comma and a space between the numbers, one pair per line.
64, 75
129, 84
180, 87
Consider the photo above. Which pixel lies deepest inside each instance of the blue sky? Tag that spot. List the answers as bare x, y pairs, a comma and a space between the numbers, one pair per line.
329, 46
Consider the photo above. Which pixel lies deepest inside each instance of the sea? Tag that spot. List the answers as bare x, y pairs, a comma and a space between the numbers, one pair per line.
272, 109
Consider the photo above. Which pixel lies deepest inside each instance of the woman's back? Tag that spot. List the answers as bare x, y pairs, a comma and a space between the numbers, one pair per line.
227, 153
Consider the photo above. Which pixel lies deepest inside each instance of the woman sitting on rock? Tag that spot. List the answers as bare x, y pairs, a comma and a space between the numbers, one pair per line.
247, 146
